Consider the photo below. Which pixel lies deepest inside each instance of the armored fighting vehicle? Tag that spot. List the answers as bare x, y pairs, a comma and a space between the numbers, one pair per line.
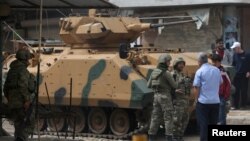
105, 89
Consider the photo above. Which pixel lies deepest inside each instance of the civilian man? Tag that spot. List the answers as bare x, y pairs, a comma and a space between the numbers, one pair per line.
206, 88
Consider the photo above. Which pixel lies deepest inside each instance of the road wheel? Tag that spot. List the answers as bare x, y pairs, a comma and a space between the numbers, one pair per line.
119, 122
77, 120
57, 123
97, 120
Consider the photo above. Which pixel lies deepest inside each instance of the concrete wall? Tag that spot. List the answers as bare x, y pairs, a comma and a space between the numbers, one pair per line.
245, 32
186, 36
50, 32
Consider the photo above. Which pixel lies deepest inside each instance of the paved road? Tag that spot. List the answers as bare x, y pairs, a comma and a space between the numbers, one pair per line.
236, 117
189, 138
9, 127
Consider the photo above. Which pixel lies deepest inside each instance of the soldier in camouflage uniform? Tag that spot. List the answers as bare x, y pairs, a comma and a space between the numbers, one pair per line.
181, 100
161, 81
18, 88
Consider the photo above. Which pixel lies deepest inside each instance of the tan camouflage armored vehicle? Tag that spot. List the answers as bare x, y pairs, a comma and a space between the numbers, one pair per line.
107, 94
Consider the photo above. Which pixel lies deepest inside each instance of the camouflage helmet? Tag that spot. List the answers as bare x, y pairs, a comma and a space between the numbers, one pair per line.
23, 54
164, 58
178, 60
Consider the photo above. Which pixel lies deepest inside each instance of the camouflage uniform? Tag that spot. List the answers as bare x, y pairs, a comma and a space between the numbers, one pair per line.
161, 81
18, 88
181, 102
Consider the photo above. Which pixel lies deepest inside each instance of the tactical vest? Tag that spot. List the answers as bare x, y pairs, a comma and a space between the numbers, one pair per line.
184, 83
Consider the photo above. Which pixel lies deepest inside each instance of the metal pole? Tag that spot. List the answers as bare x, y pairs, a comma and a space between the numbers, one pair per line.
1, 69
38, 67
70, 104
53, 117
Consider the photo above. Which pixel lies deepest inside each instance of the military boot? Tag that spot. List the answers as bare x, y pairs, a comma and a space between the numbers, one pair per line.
151, 137
19, 139
169, 138
178, 138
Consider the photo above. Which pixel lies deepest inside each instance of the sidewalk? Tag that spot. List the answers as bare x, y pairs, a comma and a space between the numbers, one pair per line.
239, 117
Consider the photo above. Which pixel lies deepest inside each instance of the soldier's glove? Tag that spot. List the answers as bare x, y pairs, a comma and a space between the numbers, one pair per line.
26, 105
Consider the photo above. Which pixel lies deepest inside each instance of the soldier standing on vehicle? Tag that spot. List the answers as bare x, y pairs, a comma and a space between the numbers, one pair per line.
161, 81
18, 88
181, 100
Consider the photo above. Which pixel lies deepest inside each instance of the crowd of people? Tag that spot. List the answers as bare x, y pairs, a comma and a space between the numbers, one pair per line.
211, 86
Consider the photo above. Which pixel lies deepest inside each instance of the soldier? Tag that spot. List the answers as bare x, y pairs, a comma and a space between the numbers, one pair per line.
18, 88
161, 81
181, 100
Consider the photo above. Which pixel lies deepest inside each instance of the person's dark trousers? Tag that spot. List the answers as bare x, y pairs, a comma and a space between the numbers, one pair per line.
241, 84
206, 114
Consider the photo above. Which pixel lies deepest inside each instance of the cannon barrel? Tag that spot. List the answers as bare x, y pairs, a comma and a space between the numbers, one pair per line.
145, 26
171, 23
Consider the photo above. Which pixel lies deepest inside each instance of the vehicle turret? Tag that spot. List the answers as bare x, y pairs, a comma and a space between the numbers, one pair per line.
85, 32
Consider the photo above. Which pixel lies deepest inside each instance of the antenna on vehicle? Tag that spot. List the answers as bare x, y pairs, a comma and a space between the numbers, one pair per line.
19, 36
